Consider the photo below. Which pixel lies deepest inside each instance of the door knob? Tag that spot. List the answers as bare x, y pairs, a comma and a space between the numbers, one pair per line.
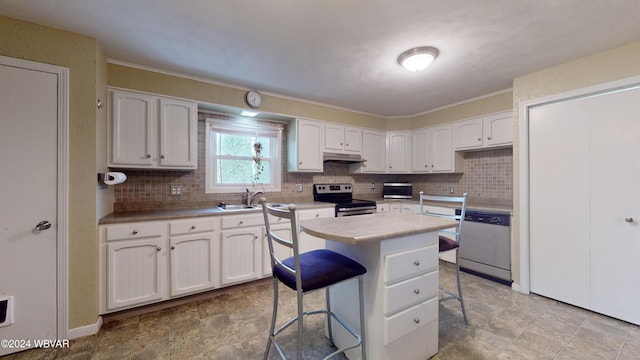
629, 219
43, 225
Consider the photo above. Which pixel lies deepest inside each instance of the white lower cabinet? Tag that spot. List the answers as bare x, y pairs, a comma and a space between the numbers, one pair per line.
401, 207
135, 272
281, 251
195, 250
151, 261
308, 242
241, 255
147, 262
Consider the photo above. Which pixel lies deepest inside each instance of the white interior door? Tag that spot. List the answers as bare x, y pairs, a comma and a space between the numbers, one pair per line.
28, 159
559, 201
615, 206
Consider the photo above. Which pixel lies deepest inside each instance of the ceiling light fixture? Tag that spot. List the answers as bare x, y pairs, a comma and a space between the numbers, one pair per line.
418, 58
249, 113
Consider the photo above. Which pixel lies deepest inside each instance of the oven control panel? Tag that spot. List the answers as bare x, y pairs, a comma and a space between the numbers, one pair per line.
332, 188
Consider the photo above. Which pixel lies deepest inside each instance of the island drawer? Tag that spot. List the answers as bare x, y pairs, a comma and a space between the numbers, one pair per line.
134, 231
415, 290
192, 226
403, 265
407, 321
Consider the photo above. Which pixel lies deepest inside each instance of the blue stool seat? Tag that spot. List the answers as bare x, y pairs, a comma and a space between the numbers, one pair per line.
319, 269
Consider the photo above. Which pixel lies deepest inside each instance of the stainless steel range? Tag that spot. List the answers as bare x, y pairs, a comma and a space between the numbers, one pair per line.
342, 196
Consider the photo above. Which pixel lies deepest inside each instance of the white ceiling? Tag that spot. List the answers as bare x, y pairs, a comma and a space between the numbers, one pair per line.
343, 52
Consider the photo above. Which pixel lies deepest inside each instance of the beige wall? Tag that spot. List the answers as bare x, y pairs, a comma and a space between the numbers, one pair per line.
611, 65
38, 43
206, 92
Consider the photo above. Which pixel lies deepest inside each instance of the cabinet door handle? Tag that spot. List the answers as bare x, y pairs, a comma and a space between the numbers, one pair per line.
629, 219
416, 263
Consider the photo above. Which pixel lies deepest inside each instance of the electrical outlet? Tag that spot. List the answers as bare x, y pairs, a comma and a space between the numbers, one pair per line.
176, 190
373, 186
298, 187
452, 190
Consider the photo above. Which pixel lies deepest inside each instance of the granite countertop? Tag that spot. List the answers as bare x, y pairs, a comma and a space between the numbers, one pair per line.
168, 214
381, 226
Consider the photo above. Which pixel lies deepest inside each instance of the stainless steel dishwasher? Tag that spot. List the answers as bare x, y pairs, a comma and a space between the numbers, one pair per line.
485, 245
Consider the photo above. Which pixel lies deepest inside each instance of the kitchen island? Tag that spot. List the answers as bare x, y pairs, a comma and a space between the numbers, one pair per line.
400, 253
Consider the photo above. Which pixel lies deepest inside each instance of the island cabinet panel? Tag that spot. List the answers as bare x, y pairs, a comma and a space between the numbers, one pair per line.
401, 298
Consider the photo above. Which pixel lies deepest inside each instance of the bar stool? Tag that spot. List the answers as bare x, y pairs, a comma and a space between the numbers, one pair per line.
305, 273
451, 242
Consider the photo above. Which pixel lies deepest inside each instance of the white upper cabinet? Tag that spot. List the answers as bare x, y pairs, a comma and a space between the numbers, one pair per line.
305, 144
399, 151
433, 151
178, 134
152, 132
485, 131
341, 139
374, 151
498, 129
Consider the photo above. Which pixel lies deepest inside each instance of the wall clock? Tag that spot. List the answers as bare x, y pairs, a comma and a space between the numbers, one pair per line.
254, 99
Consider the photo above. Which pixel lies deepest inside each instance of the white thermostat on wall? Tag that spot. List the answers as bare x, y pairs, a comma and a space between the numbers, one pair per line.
254, 99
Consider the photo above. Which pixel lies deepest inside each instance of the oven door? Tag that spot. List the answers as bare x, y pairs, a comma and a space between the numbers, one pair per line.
362, 210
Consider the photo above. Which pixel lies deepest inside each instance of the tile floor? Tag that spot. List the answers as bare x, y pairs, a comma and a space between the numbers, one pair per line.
233, 323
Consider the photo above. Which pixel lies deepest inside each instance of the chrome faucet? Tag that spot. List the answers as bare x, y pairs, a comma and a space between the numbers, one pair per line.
251, 196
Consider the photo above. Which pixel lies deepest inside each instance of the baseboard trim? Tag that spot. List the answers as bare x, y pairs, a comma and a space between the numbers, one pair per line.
86, 330
516, 287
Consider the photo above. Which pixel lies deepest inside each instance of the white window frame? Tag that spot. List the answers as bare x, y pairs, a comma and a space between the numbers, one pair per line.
242, 126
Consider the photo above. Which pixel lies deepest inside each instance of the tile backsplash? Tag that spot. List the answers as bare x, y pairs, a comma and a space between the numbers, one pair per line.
488, 175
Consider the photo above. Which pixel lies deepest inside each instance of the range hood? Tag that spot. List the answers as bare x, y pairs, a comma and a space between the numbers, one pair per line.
343, 158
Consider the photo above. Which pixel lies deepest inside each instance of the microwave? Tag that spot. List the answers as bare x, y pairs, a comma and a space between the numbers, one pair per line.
397, 191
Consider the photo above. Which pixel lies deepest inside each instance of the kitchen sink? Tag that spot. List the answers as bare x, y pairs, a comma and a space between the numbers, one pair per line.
235, 207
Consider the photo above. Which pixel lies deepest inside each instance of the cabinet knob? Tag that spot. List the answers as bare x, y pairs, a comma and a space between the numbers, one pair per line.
300, 163
416, 291
416, 320
255, 237
341, 144
347, 144
479, 139
193, 227
148, 156
488, 137
161, 156
629, 219
240, 222
173, 247
425, 165
431, 165
134, 232
416, 263
158, 248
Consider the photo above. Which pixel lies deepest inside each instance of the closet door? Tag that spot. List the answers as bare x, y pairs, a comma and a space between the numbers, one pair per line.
615, 204
559, 201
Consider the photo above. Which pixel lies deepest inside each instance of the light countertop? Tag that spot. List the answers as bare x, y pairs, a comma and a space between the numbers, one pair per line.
168, 214
381, 226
